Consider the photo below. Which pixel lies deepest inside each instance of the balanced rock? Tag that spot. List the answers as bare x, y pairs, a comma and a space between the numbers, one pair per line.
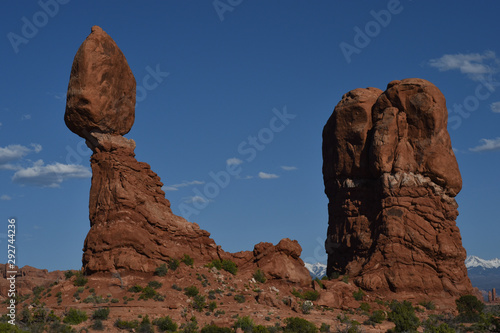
132, 227
391, 177
101, 91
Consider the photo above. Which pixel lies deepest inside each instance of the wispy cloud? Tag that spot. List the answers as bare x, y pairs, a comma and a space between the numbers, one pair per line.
495, 107
196, 198
50, 175
175, 187
488, 145
233, 161
26, 117
288, 168
474, 65
16, 152
5, 197
0, 124
264, 175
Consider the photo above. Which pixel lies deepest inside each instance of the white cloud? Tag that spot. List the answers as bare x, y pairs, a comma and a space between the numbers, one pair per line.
264, 175
5, 197
196, 198
495, 107
26, 117
50, 175
16, 152
474, 65
233, 161
169, 188
288, 168
488, 145
175, 187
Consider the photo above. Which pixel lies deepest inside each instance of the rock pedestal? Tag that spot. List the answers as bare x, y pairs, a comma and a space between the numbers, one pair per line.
132, 227
391, 178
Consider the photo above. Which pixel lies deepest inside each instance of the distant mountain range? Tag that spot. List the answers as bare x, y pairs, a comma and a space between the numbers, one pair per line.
484, 274
317, 270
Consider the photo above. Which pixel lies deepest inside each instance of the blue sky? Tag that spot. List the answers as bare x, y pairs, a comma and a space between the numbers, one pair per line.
247, 85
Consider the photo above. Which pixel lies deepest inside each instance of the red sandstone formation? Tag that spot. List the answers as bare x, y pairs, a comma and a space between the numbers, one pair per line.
132, 225
391, 177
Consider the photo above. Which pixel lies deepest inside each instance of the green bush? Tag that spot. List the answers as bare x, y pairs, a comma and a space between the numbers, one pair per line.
403, 316
98, 325
80, 280
161, 270
9, 328
245, 323
75, 317
432, 325
239, 298
176, 287
125, 325
154, 284
429, 305
212, 328
198, 303
101, 313
212, 306
299, 325
165, 324
68, 274
135, 289
307, 306
260, 329
365, 307
324, 328
377, 317
259, 276
191, 291
469, 308
148, 293
358, 295
187, 260
311, 295
114, 300
226, 265
173, 264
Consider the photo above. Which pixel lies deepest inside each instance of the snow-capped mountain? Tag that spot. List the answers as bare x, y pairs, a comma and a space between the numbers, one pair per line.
473, 261
317, 270
483, 274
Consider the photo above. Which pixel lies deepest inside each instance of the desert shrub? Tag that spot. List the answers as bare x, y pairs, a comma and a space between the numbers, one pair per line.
176, 287
135, 289
345, 279
212, 306
403, 316
98, 325
75, 317
187, 260
198, 303
80, 280
365, 307
212, 328
126, 325
101, 313
145, 326
173, 264
296, 325
469, 308
239, 298
114, 300
260, 329
161, 270
244, 323
190, 327
297, 293
429, 305
68, 274
154, 284
227, 265
148, 293
307, 306
191, 291
165, 324
358, 295
259, 276
318, 281
96, 299
59, 328
8, 328
324, 328
432, 325
377, 317
311, 295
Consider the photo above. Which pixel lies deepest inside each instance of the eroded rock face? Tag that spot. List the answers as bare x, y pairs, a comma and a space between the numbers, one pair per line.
132, 225
391, 177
